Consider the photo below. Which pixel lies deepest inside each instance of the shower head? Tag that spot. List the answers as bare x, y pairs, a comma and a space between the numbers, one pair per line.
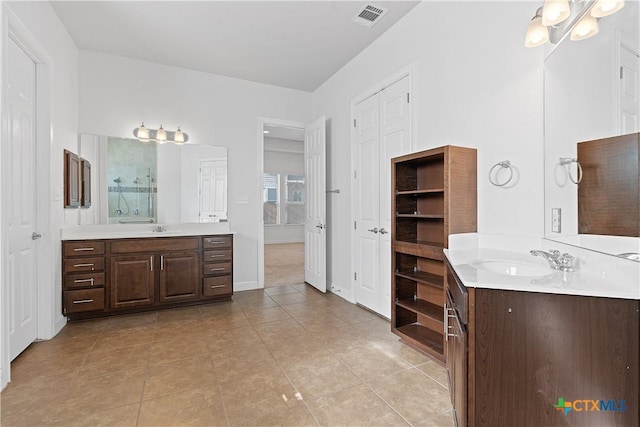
118, 180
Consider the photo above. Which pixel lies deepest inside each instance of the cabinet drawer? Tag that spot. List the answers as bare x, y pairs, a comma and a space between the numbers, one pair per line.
215, 256
218, 268
84, 247
83, 264
212, 286
215, 242
84, 300
83, 280
155, 244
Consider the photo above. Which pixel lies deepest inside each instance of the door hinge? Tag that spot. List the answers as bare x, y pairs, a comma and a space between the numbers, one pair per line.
407, 97
621, 71
355, 276
355, 226
354, 122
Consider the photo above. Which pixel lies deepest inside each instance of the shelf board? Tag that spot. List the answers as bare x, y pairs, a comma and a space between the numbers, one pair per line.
419, 248
418, 192
423, 277
423, 307
425, 336
420, 216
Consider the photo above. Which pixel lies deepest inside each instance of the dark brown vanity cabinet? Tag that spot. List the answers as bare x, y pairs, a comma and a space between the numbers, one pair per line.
512, 357
105, 277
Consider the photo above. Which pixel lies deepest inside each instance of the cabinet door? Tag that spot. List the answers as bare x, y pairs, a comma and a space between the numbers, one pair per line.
179, 276
131, 282
460, 370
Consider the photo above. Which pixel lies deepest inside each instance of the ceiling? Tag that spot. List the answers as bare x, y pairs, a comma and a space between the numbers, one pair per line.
293, 44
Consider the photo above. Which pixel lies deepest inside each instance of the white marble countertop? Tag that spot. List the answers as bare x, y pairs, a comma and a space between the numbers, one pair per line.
595, 274
126, 231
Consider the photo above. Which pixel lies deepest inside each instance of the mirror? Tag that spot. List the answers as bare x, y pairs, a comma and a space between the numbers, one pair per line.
135, 182
584, 100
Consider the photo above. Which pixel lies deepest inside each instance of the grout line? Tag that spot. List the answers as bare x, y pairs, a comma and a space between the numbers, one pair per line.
224, 407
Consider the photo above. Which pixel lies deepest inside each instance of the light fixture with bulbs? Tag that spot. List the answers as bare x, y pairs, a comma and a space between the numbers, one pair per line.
579, 18
160, 135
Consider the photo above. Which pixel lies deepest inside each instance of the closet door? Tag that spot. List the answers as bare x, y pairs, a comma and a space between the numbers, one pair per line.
383, 124
367, 202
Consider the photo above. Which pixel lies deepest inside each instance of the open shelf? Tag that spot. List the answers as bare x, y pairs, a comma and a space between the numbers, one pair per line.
423, 277
419, 216
419, 192
423, 335
423, 307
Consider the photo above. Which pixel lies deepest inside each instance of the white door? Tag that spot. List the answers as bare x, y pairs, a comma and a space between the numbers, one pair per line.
382, 132
213, 185
21, 146
629, 95
315, 237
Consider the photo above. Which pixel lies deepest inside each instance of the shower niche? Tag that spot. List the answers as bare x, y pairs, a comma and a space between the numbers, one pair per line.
131, 181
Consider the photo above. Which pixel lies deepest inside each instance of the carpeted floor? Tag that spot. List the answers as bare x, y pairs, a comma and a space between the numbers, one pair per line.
283, 264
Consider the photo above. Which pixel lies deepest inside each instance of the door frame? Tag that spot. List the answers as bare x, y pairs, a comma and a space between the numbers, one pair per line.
406, 71
12, 28
259, 211
622, 41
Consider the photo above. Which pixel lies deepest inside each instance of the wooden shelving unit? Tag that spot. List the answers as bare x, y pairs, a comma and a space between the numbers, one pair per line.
434, 196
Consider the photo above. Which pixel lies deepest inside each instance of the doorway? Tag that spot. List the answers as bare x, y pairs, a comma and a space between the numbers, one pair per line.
283, 204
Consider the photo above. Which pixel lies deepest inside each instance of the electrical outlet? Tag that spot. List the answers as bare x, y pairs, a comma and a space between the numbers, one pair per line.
556, 220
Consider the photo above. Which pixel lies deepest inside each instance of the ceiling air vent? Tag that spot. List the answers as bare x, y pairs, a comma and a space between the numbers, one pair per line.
368, 15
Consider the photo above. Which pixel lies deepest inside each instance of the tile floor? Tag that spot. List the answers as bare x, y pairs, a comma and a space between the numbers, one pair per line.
283, 356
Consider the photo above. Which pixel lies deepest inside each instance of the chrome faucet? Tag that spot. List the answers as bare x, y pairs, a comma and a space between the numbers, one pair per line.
159, 228
556, 261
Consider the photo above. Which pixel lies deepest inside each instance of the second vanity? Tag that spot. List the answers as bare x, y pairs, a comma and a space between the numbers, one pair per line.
530, 346
119, 269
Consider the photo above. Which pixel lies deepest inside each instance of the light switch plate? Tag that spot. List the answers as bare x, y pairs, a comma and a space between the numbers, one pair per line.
242, 200
556, 220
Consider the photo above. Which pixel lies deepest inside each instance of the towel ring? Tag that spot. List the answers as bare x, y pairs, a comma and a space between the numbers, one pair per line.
566, 161
505, 164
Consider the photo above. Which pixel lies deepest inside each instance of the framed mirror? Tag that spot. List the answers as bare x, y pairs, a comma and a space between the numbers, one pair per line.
137, 182
591, 90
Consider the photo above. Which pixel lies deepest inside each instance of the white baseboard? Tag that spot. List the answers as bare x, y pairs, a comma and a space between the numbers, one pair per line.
341, 292
245, 286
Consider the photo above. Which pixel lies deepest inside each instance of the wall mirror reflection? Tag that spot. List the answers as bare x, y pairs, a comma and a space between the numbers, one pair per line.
137, 182
591, 92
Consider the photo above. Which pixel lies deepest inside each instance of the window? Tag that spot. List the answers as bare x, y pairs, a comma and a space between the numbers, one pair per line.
270, 196
292, 198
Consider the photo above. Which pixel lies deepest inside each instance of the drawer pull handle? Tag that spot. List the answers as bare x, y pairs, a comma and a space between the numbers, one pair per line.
217, 269
84, 265
218, 286
83, 301
217, 256
215, 242
84, 281
83, 249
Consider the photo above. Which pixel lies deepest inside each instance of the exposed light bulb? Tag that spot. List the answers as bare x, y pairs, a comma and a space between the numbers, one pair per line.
537, 34
161, 135
606, 7
554, 12
178, 137
587, 27
265, 132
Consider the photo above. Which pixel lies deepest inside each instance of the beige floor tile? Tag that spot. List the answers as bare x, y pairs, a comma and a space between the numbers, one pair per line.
226, 323
412, 394
98, 363
74, 329
403, 351
180, 328
39, 410
294, 416
111, 390
266, 314
183, 313
219, 309
178, 376
55, 369
235, 338
198, 407
442, 420
435, 371
288, 299
123, 416
63, 347
305, 310
280, 331
176, 348
355, 406
129, 321
124, 338
252, 360
369, 362
279, 290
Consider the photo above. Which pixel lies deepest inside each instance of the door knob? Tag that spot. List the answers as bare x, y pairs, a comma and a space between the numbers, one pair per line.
374, 230
35, 236
383, 231
320, 226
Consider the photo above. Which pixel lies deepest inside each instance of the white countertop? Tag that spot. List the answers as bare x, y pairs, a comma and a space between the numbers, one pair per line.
125, 231
595, 274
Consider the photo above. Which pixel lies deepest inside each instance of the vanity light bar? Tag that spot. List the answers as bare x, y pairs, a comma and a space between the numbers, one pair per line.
160, 135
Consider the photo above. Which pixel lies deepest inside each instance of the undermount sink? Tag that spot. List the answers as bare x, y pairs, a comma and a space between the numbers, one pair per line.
511, 268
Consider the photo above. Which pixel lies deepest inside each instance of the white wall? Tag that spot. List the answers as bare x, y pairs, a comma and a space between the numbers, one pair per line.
41, 26
117, 93
283, 157
475, 84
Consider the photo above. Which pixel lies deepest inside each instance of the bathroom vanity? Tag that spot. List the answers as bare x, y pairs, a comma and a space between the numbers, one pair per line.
106, 272
530, 346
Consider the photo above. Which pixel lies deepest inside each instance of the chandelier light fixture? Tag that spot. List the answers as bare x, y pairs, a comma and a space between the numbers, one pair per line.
160, 135
579, 18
